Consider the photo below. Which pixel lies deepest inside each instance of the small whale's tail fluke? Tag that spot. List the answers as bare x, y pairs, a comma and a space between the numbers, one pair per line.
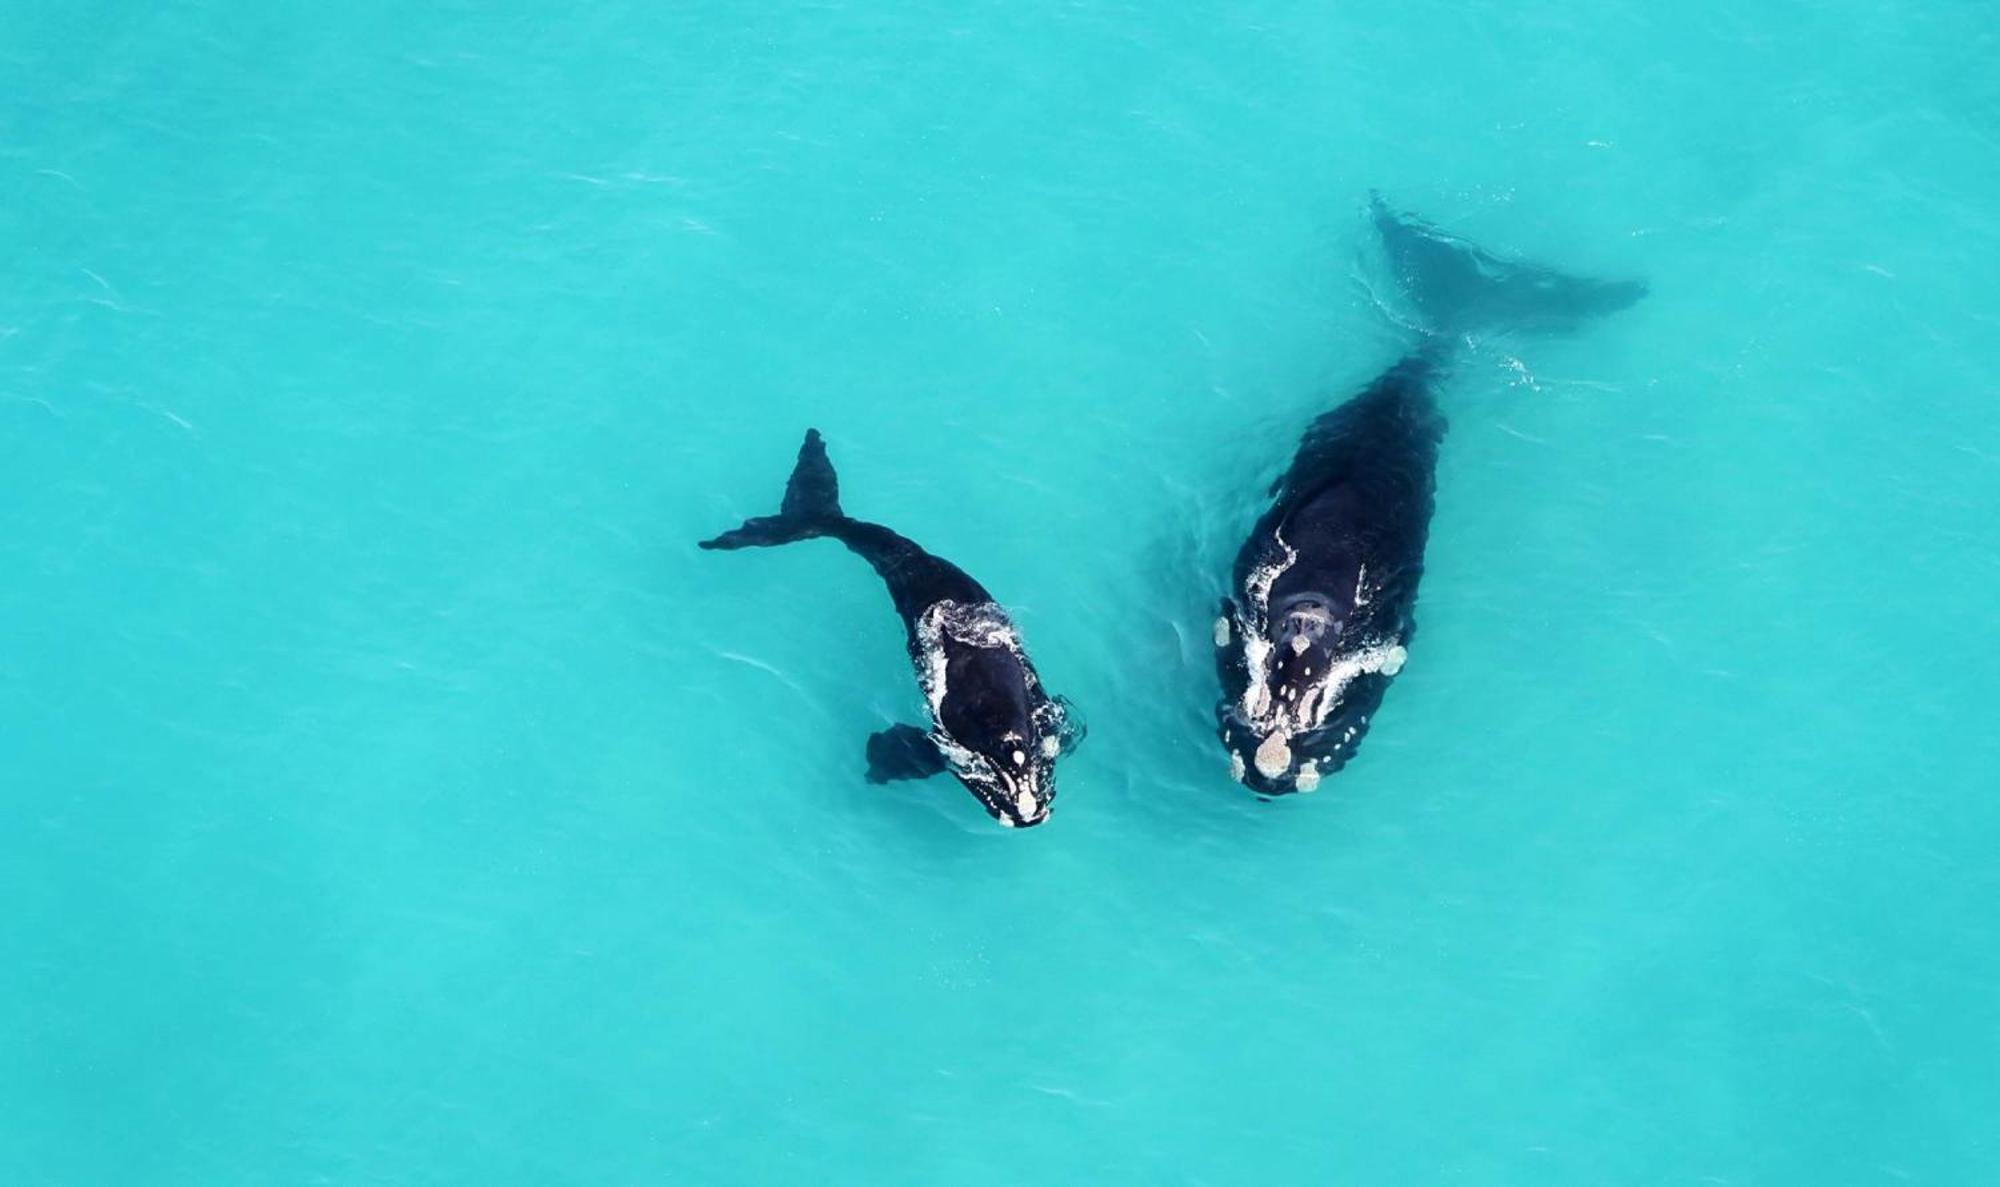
811, 507
1460, 288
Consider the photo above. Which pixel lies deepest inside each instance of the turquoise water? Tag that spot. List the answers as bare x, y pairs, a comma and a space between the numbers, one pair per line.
390, 792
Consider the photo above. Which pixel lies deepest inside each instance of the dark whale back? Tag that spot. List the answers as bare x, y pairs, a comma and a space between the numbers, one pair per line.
1359, 492
917, 579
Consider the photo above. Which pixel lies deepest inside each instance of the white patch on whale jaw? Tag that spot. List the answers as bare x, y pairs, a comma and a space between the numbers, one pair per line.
1274, 756
1252, 620
1014, 803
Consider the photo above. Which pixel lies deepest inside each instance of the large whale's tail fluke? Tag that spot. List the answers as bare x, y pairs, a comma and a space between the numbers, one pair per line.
1460, 288
811, 507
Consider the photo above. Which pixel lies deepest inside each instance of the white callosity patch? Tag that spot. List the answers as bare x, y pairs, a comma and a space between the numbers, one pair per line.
1222, 631
1256, 701
1250, 624
1277, 719
1309, 707
1236, 766
1274, 756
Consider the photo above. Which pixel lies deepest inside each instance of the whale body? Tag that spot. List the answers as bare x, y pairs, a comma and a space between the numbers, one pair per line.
1324, 590
992, 726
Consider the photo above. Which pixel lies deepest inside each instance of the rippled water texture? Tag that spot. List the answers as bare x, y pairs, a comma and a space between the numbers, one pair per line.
390, 792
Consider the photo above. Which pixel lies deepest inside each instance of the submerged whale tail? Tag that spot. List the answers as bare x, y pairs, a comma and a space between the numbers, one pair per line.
811, 507
1460, 288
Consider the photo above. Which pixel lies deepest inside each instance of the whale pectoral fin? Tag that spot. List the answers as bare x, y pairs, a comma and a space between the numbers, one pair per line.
902, 752
1070, 727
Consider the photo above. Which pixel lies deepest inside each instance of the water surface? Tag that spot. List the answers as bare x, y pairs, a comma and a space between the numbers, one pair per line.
390, 792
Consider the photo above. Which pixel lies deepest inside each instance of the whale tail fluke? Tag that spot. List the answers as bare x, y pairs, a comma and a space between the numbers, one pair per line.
811, 507
1460, 288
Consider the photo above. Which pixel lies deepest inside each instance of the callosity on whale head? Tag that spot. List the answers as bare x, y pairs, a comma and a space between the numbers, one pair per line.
1300, 681
999, 733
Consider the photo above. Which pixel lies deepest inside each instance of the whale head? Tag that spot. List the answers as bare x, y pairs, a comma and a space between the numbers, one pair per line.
1007, 758
998, 732
1300, 687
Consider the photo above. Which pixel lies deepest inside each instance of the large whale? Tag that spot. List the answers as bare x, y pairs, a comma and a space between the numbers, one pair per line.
991, 724
1325, 588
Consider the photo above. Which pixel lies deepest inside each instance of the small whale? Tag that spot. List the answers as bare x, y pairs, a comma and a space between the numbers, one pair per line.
1325, 588
991, 724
